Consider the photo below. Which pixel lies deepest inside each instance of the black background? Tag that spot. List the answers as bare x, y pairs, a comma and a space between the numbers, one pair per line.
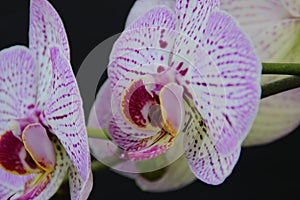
265, 172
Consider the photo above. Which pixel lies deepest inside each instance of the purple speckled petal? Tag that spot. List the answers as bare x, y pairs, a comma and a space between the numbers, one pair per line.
193, 15
64, 113
141, 7
204, 159
255, 15
293, 6
145, 42
11, 184
45, 30
18, 84
233, 82
80, 189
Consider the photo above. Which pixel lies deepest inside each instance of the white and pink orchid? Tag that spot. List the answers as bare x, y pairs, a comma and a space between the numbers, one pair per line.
42, 128
186, 79
274, 28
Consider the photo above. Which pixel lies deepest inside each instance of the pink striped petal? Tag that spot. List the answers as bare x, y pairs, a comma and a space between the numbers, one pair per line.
193, 15
293, 6
255, 15
230, 105
64, 113
141, 7
145, 42
45, 30
18, 84
206, 162
11, 184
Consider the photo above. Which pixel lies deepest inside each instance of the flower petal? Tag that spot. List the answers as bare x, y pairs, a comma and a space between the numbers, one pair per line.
20, 162
64, 113
39, 146
255, 15
293, 6
79, 188
45, 30
278, 115
44, 186
193, 15
145, 42
228, 88
204, 159
177, 175
101, 112
172, 107
18, 83
11, 184
141, 7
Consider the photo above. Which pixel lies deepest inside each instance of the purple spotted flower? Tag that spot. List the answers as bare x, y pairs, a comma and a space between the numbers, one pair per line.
42, 128
186, 76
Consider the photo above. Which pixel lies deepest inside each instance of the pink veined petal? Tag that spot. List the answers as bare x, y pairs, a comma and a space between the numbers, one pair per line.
144, 43
79, 188
11, 184
63, 113
45, 30
18, 83
39, 146
140, 148
255, 15
193, 15
141, 7
48, 183
293, 6
203, 157
234, 85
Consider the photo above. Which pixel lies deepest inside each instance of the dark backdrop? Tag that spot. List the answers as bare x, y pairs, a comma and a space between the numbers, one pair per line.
266, 172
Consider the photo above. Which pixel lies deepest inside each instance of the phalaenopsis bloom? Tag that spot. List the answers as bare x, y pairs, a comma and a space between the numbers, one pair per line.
42, 127
183, 81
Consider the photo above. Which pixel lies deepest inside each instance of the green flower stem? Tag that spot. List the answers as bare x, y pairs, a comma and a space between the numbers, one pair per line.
281, 68
280, 86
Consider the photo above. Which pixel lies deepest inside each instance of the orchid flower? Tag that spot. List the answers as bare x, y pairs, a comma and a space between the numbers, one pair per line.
183, 81
277, 115
42, 128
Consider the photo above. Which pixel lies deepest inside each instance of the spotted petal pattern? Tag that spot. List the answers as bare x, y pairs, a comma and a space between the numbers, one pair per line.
226, 80
18, 84
64, 114
45, 30
205, 160
141, 7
